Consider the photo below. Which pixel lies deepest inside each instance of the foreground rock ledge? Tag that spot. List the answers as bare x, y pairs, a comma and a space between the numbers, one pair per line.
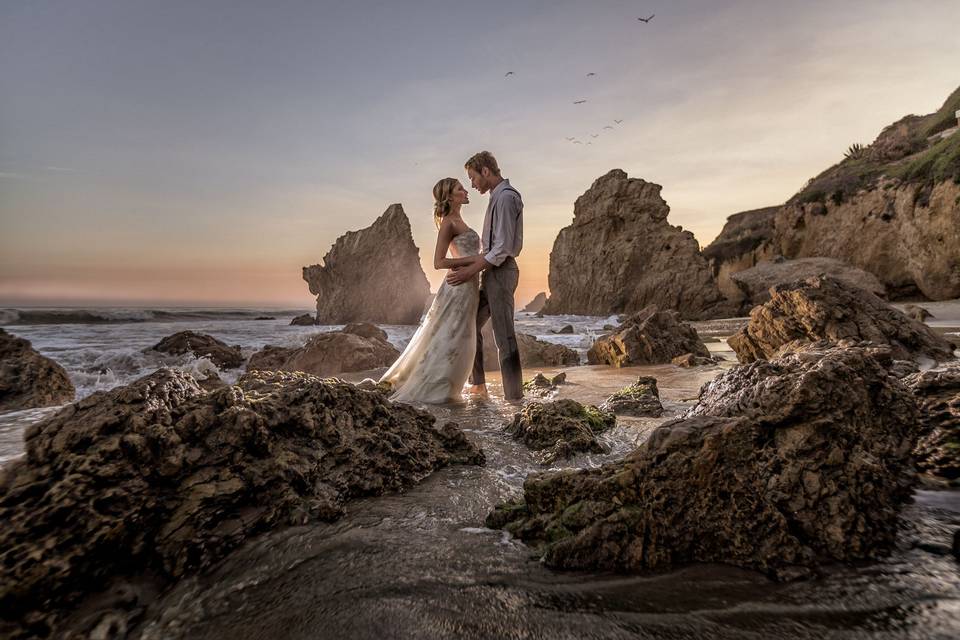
822, 308
29, 380
781, 466
162, 477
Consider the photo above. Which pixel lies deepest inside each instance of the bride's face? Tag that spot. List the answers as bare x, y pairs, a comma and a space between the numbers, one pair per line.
459, 196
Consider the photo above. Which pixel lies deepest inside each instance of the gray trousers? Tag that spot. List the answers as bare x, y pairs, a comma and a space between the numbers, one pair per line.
497, 286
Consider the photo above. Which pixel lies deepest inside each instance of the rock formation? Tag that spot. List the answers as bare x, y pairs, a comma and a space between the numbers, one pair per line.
330, 353
938, 395
28, 379
541, 386
201, 346
366, 330
533, 352
641, 399
561, 428
371, 275
825, 309
754, 283
161, 477
621, 255
892, 209
536, 305
303, 320
780, 467
688, 360
917, 312
648, 337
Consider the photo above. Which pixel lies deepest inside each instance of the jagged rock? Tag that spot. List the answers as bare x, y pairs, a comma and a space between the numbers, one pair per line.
688, 360
533, 352
754, 283
893, 210
641, 399
648, 337
303, 320
539, 386
29, 380
201, 346
560, 378
162, 477
620, 255
937, 453
371, 275
327, 354
781, 466
563, 428
822, 308
366, 330
536, 305
566, 329
917, 312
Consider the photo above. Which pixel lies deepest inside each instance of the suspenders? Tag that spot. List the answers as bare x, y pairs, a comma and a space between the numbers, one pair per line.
493, 211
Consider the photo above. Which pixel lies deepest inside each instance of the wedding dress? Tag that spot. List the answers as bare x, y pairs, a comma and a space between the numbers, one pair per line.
438, 359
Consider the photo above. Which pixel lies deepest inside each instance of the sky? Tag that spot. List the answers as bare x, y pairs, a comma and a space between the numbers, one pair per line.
200, 153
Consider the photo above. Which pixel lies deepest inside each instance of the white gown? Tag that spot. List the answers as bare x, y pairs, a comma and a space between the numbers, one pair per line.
438, 359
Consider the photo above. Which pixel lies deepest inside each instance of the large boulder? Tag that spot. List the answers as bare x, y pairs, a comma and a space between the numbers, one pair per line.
29, 380
536, 305
648, 337
780, 467
561, 428
892, 209
327, 354
201, 346
371, 275
938, 396
161, 477
754, 283
821, 308
641, 399
620, 255
533, 352
303, 320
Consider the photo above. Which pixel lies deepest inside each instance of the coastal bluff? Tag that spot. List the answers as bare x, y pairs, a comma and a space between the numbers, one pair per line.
621, 255
371, 275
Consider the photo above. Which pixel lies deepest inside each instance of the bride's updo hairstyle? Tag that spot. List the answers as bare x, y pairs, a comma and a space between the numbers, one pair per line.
441, 198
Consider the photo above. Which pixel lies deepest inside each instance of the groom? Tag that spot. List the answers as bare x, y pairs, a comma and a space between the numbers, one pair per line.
502, 239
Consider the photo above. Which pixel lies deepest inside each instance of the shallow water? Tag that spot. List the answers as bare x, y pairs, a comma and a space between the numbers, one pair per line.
421, 565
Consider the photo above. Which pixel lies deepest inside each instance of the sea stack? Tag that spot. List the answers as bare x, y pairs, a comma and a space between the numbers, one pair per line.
371, 275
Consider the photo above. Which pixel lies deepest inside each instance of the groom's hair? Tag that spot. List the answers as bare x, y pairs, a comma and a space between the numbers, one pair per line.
483, 159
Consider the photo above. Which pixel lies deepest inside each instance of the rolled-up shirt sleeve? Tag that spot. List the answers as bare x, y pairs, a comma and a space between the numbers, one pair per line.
506, 228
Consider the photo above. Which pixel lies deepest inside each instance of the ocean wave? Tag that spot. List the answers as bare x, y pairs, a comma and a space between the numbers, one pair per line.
115, 315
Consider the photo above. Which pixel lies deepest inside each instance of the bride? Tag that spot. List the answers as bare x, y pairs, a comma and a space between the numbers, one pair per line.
436, 363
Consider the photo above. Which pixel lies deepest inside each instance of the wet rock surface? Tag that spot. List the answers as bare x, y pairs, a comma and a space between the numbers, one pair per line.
822, 308
688, 360
533, 352
781, 466
651, 336
303, 320
371, 275
938, 395
620, 255
29, 380
917, 312
162, 479
560, 429
641, 399
330, 353
201, 346
541, 386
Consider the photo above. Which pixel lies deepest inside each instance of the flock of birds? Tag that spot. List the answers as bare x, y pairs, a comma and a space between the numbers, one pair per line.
574, 140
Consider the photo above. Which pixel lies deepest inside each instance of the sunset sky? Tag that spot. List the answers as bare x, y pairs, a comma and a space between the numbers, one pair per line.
201, 153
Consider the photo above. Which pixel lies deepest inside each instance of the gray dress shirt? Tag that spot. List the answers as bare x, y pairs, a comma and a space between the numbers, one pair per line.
503, 224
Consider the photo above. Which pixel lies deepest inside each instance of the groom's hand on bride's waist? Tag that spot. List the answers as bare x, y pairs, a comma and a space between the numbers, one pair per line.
459, 275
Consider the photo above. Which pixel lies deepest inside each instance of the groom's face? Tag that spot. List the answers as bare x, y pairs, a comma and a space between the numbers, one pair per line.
477, 181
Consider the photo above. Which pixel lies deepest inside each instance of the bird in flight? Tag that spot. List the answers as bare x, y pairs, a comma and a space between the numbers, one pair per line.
608, 127
645, 20
588, 142
507, 74
579, 101
591, 74
578, 142
594, 135
618, 121
570, 139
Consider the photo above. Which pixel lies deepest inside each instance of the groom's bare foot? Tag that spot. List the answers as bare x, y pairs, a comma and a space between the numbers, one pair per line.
478, 390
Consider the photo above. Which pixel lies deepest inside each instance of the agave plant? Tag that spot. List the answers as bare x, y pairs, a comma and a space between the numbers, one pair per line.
854, 151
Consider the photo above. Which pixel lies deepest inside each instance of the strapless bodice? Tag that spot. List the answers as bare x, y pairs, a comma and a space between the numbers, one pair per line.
466, 244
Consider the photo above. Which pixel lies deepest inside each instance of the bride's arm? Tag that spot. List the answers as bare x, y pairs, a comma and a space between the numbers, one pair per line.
440, 259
